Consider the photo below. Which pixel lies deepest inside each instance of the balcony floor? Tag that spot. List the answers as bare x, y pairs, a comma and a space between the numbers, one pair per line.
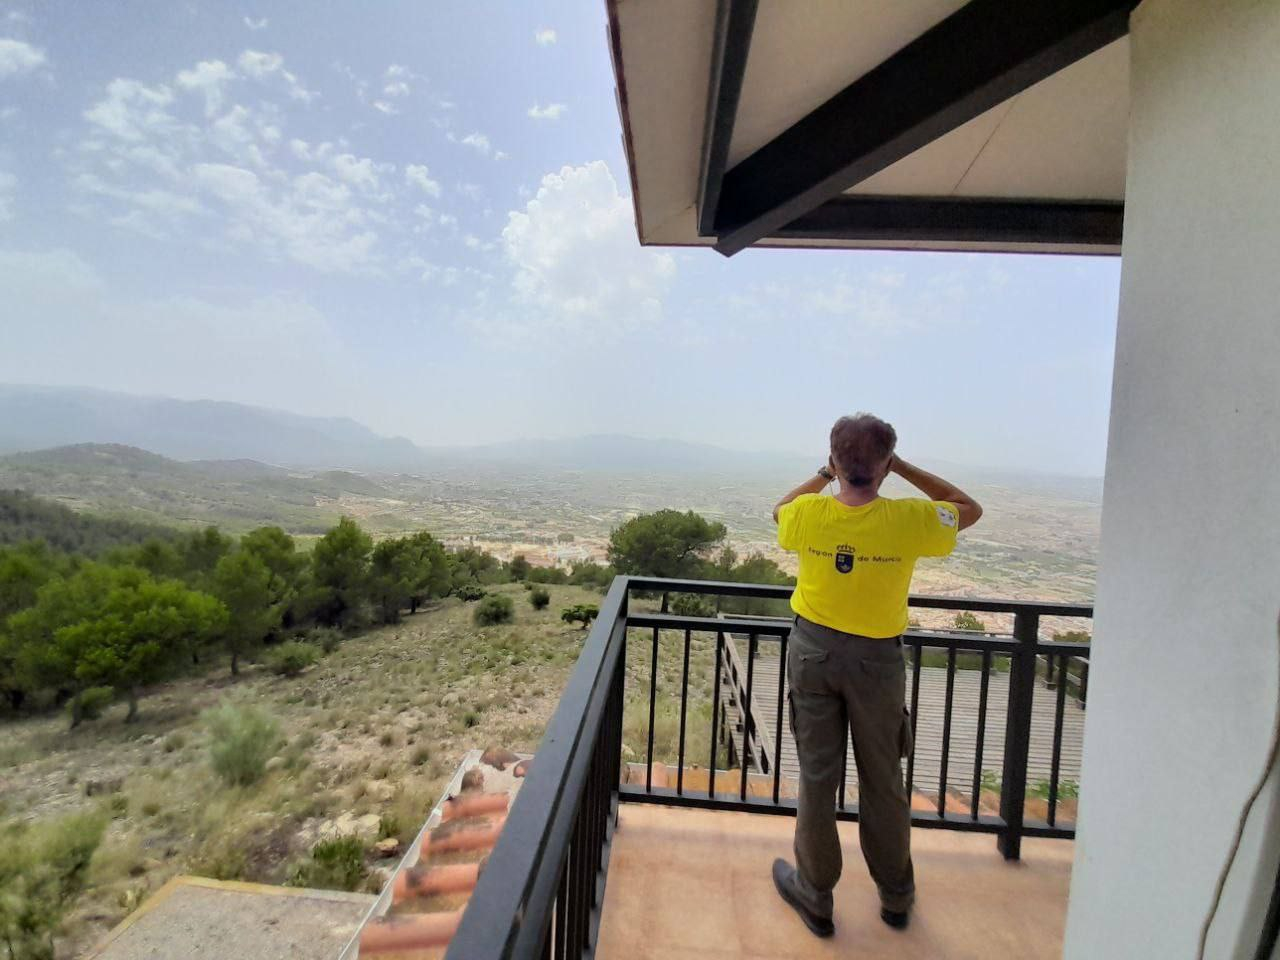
695, 883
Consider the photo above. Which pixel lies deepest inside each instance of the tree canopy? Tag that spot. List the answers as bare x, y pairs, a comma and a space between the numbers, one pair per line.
667, 543
340, 566
243, 583
109, 626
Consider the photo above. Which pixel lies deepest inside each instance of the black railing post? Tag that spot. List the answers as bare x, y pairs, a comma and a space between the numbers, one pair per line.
1017, 732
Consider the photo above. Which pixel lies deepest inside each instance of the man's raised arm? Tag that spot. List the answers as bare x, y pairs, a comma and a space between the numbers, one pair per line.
935, 488
813, 485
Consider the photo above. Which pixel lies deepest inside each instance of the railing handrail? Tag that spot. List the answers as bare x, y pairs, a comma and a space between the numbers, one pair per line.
519, 881
726, 588
943, 639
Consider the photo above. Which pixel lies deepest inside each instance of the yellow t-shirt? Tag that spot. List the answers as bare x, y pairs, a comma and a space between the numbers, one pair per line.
856, 562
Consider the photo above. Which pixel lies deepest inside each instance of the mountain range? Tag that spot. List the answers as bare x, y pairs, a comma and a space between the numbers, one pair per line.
39, 418
244, 439
35, 418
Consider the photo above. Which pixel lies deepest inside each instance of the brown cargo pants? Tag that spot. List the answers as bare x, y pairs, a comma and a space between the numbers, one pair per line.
842, 681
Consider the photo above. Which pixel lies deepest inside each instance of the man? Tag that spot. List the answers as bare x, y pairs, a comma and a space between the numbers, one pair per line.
844, 657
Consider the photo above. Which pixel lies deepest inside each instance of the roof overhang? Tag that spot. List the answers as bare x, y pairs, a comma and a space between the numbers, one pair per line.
987, 125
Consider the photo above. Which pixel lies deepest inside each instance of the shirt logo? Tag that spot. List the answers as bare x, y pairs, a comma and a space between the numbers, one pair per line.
844, 558
946, 517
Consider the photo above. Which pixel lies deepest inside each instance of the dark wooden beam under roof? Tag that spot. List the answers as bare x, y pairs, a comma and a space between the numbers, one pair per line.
735, 22
960, 220
980, 56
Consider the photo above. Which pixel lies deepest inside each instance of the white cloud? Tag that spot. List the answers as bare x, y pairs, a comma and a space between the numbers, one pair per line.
266, 66
397, 88
315, 222
477, 141
360, 172
152, 207
308, 153
552, 111
864, 306
8, 186
255, 25
544, 36
418, 175
237, 133
133, 111
208, 77
17, 57
151, 162
577, 263
382, 106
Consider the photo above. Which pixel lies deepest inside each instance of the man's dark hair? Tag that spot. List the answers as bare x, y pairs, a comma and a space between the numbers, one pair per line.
860, 445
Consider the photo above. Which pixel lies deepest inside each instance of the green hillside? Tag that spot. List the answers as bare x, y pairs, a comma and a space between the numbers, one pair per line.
126, 482
26, 517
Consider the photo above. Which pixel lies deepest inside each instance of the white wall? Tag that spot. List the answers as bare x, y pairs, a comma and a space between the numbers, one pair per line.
1184, 679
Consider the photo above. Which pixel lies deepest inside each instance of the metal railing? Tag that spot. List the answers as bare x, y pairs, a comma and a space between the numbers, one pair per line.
540, 894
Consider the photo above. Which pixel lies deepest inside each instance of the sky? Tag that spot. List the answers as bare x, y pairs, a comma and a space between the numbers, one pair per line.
417, 215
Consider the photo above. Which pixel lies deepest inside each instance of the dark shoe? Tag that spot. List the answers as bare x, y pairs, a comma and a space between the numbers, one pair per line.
784, 878
894, 919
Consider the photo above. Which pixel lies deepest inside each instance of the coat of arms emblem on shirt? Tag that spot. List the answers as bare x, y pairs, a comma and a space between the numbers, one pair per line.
844, 558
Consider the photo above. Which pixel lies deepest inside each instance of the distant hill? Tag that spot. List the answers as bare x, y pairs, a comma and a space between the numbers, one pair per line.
26, 517
126, 481
36, 418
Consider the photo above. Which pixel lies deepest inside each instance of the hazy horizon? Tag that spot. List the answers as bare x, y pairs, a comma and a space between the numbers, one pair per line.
776, 456
421, 221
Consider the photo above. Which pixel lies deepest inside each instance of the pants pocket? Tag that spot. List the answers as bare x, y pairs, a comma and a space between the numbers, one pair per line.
806, 667
906, 739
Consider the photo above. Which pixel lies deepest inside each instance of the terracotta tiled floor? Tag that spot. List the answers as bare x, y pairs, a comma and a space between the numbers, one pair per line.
689, 883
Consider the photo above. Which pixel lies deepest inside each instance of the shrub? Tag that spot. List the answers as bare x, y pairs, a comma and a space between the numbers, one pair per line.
291, 658
582, 613
42, 870
174, 742
965, 620
421, 756
497, 608
692, 605
325, 638
548, 575
93, 701
470, 592
1072, 636
539, 598
336, 864
242, 740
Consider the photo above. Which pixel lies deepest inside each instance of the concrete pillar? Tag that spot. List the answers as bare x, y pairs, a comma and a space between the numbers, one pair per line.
1184, 680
